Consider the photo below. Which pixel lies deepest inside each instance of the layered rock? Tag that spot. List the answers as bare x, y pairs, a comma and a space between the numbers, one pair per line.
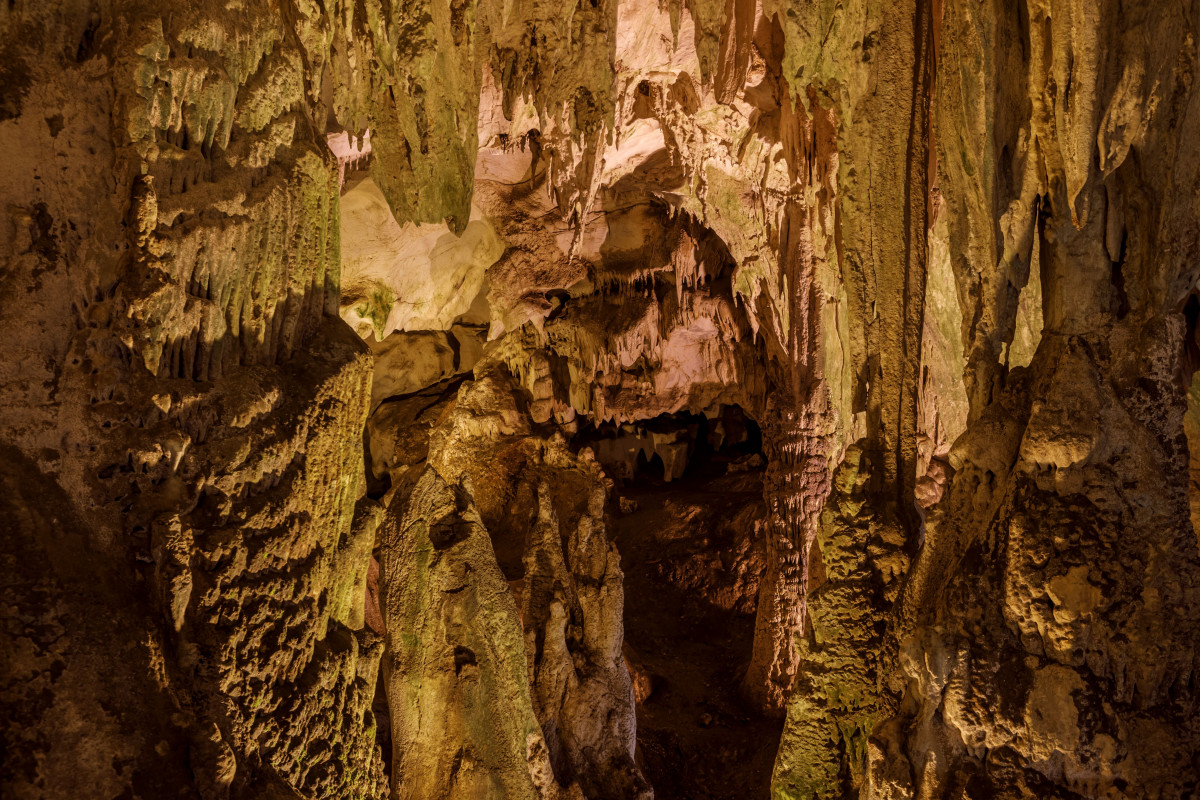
572, 611
462, 722
838, 664
1049, 682
536, 511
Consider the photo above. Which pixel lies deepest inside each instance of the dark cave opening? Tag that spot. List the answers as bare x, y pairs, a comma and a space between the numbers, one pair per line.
1191, 418
1191, 347
383, 722
692, 553
670, 447
655, 469
686, 515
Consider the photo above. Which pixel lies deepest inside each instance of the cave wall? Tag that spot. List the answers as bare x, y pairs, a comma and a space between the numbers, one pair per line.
940, 251
184, 410
1069, 496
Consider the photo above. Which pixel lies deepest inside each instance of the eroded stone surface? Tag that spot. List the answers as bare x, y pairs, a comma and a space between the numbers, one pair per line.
942, 254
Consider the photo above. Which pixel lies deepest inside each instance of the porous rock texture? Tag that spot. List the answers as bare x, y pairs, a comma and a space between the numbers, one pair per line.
342, 340
184, 584
521, 503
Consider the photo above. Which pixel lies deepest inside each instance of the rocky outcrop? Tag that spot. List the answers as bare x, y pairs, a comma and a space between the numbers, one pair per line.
410, 361
572, 613
185, 402
540, 512
264, 577
841, 660
1048, 684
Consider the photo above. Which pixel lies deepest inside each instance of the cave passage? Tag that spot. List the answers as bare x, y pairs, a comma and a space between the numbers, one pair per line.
692, 554
673, 446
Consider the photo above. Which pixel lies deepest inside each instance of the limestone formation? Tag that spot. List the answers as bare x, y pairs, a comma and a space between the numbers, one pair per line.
600, 399
462, 722
184, 406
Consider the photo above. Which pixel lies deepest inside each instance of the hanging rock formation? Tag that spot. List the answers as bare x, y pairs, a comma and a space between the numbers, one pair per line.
184, 413
372, 368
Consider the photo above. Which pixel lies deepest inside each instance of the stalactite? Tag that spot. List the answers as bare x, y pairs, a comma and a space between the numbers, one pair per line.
585, 399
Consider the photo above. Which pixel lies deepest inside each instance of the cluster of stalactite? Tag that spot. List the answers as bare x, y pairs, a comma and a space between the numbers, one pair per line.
940, 251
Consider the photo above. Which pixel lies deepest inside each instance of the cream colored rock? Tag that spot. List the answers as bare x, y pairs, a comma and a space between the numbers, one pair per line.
408, 277
407, 362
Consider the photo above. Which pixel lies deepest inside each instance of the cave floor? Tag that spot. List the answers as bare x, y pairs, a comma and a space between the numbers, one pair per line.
696, 738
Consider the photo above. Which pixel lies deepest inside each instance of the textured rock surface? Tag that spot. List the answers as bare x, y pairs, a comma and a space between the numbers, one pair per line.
572, 613
1066, 674
535, 503
179, 393
463, 724
905, 293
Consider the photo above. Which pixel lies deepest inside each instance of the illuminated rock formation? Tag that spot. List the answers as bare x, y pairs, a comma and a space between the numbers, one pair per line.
373, 368
462, 723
